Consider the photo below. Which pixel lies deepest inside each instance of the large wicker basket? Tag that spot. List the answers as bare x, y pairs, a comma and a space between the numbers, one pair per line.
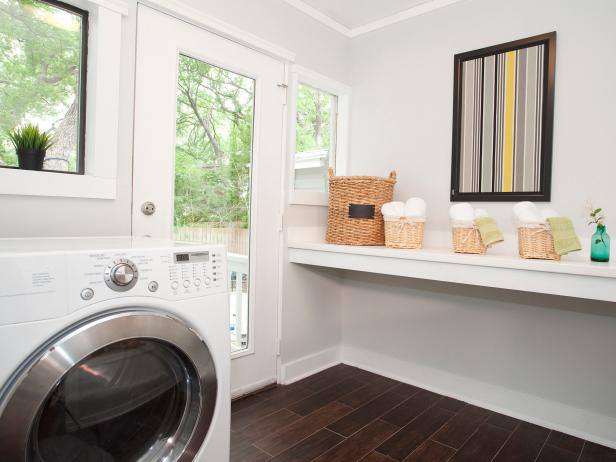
404, 233
536, 241
355, 202
467, 240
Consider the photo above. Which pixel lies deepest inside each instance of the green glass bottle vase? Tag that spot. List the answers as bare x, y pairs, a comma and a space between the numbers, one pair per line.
600, 245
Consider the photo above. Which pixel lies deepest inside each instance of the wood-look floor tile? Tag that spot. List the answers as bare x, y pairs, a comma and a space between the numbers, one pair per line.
270, 424
248, 454
368, 392
405, 389
365, 414
245, 402
249, 416
524, 444
411, 436
555, 454
503, 421
451, 404
431, 451
361, 443
286, 395
292, 434
327, 377
377, 457
239, 440
593, 452
321, 398
310, 448
460, 428
483, 445
411, 408
566, 442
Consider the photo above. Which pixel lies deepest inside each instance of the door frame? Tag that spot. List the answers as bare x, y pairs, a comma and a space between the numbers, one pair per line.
195, 17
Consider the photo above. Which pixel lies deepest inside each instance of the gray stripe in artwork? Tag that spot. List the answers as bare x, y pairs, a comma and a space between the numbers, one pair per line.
520, 120
488, 124
539, 117
530, 121
468, 72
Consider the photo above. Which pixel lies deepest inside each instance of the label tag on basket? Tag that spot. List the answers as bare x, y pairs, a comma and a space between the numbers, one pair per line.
361, 211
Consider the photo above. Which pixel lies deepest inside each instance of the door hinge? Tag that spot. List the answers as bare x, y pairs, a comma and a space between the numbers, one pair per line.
280, 223
278, 347
283, 87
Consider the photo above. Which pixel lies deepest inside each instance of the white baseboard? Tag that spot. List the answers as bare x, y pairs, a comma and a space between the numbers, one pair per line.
303, 367
246, 390
590, 426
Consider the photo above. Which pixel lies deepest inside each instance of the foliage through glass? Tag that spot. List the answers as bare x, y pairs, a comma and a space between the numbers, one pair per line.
41, 75
315, 137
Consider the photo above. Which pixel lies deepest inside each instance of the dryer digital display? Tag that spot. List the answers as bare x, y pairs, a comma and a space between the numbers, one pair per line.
192, 257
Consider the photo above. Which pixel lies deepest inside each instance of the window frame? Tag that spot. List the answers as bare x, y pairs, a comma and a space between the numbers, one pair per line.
301, 75
101, 116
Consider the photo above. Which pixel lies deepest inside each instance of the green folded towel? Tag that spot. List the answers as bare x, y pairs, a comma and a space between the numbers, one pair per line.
489, 230
565, 239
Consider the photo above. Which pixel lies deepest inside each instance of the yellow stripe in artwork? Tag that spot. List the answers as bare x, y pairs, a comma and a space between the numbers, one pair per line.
509, 121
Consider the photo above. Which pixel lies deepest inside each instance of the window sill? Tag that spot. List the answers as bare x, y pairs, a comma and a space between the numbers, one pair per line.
53, 184
308, 198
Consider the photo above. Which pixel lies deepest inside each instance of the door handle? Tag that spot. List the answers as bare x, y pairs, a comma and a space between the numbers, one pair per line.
148, 208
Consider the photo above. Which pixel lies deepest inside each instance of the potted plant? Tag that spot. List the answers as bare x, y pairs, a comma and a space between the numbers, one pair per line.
600, 241
31, 144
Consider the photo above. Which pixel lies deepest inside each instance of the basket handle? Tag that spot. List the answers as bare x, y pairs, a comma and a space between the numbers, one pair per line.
330, 172
392, 175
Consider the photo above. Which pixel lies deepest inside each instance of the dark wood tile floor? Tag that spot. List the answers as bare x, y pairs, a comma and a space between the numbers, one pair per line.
345, 414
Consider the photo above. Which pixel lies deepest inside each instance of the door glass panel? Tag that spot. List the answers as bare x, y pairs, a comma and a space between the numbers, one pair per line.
214, 134
121, 403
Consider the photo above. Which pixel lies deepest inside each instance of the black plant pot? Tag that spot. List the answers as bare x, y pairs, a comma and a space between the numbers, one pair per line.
30, 159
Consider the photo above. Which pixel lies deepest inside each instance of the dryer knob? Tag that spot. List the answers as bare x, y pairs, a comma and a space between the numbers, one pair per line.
122, 274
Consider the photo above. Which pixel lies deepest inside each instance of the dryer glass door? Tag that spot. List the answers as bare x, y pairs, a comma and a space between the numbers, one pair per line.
133, 386
120, 403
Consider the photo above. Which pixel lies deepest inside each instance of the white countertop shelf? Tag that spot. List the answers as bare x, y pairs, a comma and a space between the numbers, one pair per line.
574, 276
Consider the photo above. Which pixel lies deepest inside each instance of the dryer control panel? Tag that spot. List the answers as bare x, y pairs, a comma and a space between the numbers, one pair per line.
172, 275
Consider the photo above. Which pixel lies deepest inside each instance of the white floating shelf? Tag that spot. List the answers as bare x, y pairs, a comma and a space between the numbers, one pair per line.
573, 278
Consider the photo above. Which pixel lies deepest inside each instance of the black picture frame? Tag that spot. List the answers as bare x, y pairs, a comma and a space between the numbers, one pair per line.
547, 117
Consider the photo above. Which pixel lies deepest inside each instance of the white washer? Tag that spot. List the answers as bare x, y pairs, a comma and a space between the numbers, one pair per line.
113, 350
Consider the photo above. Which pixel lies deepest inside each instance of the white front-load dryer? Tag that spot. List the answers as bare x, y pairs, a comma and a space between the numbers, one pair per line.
113, 350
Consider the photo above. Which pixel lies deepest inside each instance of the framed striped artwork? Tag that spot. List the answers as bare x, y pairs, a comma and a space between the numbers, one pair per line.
502, 121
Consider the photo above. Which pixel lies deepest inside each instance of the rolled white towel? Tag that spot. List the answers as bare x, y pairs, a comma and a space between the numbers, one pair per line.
527, 213
462, 212
415, 208
548, 213
393, 209
481, 213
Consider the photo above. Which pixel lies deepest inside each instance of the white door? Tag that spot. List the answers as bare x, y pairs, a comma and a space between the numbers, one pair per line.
208, 155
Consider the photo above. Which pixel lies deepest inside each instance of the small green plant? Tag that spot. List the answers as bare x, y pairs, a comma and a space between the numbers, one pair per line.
30, 137
596, 217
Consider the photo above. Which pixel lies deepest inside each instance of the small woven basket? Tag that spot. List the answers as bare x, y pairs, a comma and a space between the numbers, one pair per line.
354, 216
536, 241
404, 233
467, 240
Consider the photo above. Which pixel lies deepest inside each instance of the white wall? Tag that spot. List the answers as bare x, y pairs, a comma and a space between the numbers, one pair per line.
402, 79
543, 358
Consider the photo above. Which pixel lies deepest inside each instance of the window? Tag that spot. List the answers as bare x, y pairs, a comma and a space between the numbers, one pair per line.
318, 138
315, 137
43, 48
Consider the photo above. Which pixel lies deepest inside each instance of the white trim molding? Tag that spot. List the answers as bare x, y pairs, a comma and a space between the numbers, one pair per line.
417, 10
308, 365
181, 10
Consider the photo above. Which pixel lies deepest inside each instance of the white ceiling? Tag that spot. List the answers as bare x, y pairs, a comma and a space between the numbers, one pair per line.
355, 13
357, 17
